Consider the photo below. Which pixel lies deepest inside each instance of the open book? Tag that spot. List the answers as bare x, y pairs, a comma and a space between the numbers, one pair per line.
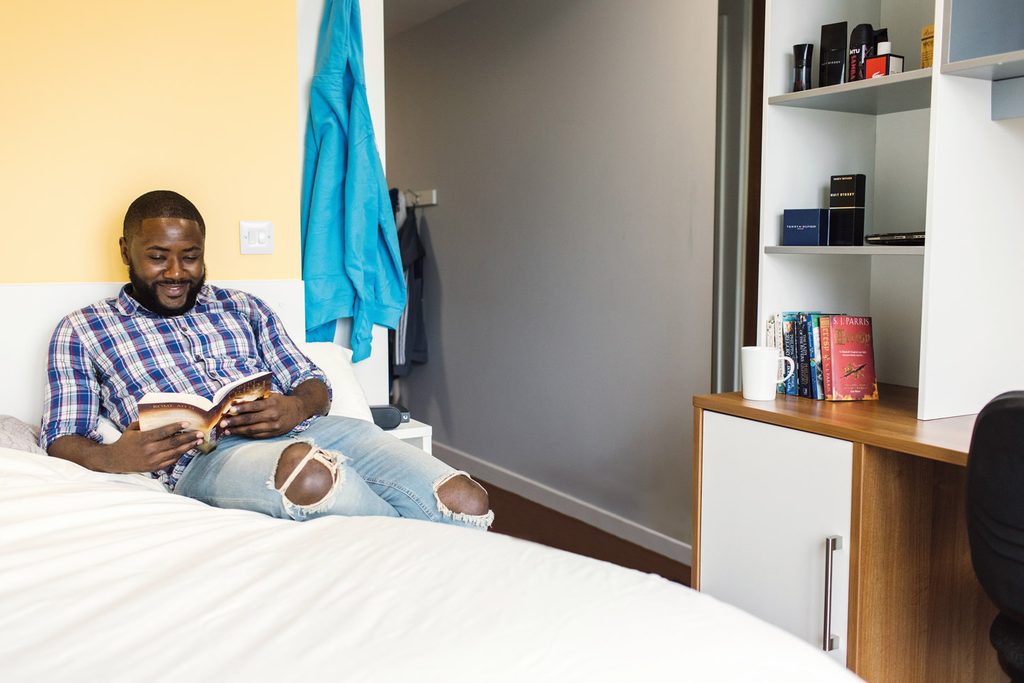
158, 409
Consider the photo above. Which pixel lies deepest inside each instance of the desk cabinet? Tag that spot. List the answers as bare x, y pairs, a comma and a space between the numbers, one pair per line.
771, 497
772, 479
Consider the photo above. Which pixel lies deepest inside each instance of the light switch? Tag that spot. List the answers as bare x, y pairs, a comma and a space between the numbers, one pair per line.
256, 237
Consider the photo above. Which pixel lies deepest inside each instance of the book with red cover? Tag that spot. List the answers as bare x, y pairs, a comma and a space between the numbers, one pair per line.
824, 327
849, 371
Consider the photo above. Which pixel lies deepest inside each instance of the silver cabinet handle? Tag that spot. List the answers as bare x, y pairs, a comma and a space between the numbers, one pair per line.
829, 642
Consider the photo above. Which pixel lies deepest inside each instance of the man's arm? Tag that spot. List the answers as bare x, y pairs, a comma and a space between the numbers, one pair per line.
135, 451
278, 413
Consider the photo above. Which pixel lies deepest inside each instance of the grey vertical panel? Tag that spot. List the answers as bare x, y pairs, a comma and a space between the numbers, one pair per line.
733, 106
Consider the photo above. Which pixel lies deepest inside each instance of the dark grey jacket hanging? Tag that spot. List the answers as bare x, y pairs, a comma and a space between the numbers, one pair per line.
409, 338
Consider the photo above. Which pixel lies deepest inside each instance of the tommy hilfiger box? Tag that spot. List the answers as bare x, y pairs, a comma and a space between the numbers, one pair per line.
846, 210
804, 227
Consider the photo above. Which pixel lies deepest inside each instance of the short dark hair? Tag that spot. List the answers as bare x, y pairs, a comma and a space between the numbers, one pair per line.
160, 204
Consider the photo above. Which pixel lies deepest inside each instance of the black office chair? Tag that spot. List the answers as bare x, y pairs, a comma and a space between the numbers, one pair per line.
995, 521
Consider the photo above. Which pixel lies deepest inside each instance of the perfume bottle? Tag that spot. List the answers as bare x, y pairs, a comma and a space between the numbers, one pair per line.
832, 54
802, 55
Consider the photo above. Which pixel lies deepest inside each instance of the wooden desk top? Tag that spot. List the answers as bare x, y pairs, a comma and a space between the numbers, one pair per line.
891, 422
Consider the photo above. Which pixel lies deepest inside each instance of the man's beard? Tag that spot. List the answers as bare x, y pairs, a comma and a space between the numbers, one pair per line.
146, 294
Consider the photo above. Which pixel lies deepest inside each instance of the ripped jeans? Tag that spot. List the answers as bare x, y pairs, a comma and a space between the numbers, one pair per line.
375, 474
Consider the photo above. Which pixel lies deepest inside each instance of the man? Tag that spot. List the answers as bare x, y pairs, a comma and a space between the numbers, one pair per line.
169, 331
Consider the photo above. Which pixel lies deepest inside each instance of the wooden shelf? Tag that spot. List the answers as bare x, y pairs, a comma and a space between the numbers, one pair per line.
885, 95
989, 68
848, 251
891, 422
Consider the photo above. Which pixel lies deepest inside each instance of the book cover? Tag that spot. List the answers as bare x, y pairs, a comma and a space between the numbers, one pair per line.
157, 409
852, 362
789, 348
769, 329
826, 357
773, 337
803, 357
813, 357
816, 359
781, 388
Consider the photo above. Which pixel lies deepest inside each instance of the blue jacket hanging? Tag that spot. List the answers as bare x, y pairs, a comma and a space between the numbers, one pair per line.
350, 260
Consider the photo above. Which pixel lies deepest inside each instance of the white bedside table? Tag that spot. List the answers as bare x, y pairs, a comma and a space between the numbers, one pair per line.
416, 433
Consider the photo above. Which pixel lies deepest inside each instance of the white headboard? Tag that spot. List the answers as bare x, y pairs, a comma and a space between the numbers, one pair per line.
31, 311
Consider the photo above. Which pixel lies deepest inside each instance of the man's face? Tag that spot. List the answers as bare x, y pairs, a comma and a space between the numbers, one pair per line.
165, 264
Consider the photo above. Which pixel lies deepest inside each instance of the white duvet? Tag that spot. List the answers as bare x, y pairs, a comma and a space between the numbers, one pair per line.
106, 578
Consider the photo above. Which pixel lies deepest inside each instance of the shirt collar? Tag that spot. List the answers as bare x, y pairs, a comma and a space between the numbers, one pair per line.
127, 305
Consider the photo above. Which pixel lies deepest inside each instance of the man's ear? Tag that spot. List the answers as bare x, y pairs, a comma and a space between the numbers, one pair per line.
123, 243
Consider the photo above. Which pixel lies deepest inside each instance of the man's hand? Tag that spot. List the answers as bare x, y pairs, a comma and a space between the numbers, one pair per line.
263, 418
152, 450
135, 451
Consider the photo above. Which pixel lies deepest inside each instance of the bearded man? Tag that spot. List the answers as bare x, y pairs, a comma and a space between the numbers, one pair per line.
169, 331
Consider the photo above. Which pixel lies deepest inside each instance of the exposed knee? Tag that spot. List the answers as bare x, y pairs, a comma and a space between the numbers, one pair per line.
311, 484
462, 495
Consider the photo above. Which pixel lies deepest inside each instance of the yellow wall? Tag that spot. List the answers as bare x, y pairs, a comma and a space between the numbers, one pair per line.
101, 101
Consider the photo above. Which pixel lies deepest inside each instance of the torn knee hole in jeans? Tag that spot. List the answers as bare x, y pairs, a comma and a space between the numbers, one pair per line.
483, 521
327, 459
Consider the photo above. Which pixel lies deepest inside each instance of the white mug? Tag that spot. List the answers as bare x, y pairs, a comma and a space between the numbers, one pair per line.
760, 369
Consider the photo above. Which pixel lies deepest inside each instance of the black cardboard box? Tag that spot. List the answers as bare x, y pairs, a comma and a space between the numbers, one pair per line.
847, 191
846, 226
832, 55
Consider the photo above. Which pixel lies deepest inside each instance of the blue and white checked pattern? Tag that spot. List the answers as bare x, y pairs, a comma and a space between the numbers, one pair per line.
104, 357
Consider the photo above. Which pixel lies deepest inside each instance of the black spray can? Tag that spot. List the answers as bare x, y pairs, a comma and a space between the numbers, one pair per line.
862, 46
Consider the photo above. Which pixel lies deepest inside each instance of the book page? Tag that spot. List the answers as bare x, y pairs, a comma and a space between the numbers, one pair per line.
163, 414
247, 388
170, 398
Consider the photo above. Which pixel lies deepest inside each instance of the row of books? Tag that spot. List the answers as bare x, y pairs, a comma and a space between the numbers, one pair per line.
833, 354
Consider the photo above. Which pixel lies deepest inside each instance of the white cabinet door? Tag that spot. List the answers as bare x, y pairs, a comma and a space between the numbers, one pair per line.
769, 498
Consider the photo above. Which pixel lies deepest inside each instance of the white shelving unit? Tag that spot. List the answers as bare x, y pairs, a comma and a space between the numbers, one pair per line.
934, 159
947, 319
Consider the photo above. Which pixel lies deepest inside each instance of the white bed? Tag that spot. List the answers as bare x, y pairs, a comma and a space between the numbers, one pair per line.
107, 577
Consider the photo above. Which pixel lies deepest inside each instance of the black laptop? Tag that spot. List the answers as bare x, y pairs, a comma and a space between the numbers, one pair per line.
904, 239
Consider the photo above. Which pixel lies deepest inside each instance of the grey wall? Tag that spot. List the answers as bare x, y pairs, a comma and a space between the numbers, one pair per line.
568, 292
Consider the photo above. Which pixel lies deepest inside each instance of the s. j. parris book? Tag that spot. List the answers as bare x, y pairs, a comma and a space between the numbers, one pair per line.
848, 358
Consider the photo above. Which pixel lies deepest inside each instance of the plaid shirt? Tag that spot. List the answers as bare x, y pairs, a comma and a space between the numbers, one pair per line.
104, 357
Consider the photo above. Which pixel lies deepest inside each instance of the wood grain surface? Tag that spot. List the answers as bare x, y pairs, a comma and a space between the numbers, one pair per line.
890, 423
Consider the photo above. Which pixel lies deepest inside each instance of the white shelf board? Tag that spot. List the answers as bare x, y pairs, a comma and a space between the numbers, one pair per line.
989, 68
884, 95
847, 251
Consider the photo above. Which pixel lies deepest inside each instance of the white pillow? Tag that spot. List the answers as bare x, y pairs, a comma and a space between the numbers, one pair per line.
19, 435
108, 431
349, 400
